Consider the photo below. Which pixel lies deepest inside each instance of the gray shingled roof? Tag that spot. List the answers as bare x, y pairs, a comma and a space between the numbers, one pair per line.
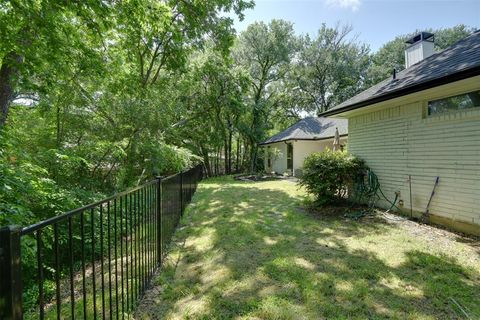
311, 128
459, 61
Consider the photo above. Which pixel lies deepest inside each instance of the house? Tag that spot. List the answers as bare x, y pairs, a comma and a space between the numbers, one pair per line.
286, 151
423, 123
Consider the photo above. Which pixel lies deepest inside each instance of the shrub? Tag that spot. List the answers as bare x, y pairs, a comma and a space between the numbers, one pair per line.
329, 174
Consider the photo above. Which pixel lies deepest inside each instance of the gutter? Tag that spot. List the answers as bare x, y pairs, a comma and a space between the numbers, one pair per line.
469, 73
302, 139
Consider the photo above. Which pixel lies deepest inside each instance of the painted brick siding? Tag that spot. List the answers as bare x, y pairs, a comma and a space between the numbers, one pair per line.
301, 150
401, 140
279, 161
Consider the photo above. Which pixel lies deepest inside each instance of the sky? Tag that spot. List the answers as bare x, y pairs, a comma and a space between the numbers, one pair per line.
375, 22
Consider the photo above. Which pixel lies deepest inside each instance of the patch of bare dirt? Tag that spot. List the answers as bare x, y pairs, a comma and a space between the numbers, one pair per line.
431, 233
259, 177
343, 210
434, 234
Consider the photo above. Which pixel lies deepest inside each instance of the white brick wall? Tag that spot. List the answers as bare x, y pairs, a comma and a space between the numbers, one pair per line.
279, 162
301, 149
400, 139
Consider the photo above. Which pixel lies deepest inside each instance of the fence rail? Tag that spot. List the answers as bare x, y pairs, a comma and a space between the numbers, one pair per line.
95, 261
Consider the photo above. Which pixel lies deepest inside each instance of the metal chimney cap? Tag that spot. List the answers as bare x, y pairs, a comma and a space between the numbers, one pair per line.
422, 36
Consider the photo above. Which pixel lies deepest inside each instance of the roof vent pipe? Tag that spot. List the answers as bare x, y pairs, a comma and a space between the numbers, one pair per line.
394, 74
419, 47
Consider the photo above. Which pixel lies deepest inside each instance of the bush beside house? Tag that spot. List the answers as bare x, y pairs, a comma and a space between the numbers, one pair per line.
329, 174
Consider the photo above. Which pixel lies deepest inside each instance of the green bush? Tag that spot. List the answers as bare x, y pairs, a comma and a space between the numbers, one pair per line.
328, 175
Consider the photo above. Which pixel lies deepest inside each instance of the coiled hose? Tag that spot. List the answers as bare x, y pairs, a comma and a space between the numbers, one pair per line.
367, 190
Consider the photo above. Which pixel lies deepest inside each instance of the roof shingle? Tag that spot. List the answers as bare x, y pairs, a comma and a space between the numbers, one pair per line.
311, 128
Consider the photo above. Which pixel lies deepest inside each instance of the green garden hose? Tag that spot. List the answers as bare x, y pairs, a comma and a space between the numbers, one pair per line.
367, 190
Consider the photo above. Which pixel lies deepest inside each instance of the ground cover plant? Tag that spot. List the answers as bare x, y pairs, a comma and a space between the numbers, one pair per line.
248, 250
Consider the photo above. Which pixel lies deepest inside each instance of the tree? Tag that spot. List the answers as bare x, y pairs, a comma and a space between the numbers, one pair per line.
44, 41
265, 51
100, 76
160, 35
155, 41
212, 99
330, 68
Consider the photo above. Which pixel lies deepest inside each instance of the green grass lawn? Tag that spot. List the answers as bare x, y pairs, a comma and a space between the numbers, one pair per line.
248, 251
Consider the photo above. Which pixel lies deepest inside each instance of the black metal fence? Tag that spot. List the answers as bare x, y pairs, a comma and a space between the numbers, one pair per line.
95, 261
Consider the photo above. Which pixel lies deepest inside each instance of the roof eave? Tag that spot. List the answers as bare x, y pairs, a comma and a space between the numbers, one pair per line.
464, 74
302, 139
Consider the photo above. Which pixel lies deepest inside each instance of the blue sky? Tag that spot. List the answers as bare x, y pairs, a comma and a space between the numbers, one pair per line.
374, 21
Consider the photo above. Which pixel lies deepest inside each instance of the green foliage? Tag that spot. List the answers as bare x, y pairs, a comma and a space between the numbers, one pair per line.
329, 174
331, 68
155, 158
28, 193
213, 106
265, 51
91, 94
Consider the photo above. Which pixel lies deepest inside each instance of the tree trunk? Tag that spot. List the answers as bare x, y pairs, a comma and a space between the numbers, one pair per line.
219, 163
217, 156
59, 134
230, 134
254, 134
244, 155
206, 160
225, 150
7, 73
237, 165
253, 155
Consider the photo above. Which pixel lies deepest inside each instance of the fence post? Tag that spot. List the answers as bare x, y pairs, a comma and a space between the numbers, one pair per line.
10, 273
181, 193
159, 220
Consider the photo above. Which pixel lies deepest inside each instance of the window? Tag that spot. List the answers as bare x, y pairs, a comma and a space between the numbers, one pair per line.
289, 156
451, 104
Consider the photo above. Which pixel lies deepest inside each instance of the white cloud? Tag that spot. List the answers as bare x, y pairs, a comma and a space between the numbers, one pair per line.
353, 5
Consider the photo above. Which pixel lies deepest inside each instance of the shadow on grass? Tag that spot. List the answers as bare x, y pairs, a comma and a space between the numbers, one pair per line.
246, 250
